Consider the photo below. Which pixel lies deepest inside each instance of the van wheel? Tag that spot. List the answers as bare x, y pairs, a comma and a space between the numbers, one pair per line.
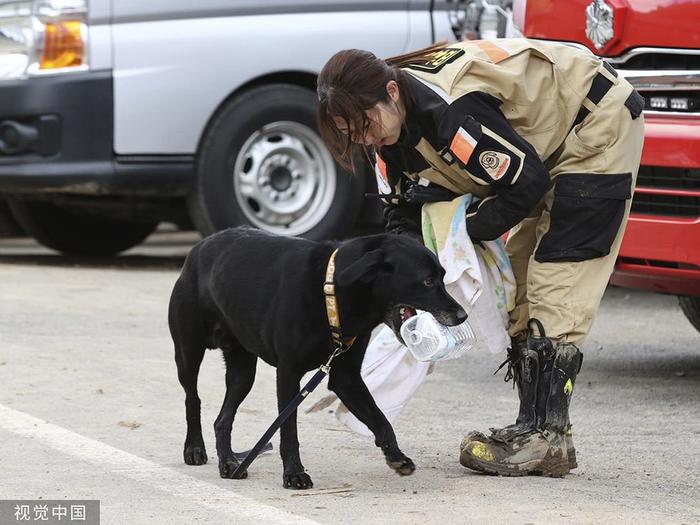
77, 233
691, 309
262, 162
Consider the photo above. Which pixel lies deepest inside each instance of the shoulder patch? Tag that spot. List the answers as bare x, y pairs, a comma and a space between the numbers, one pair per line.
497, 160
438, 59
495, 163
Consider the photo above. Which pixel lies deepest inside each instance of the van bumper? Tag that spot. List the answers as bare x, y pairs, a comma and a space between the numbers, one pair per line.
56, 136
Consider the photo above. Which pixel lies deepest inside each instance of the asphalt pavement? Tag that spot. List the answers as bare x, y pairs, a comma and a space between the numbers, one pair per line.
90, 408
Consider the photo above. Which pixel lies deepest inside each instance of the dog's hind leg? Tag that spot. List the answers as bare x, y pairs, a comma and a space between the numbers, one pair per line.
186, 329
240, 375
188, 359
345, 380
293, 475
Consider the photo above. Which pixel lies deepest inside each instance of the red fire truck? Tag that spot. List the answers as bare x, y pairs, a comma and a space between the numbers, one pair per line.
656, 46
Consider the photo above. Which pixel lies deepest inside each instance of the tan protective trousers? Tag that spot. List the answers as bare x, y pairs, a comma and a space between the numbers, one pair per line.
565, 296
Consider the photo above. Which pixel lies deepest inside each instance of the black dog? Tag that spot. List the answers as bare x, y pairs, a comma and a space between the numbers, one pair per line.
253, 294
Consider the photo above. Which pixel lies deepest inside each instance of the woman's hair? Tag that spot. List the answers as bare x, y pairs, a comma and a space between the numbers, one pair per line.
352, 82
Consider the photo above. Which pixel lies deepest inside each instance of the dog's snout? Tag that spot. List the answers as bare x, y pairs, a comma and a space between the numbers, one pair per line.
461, 315
451, 317
457, 317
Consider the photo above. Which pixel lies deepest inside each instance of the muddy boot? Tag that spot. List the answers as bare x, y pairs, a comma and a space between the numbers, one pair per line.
546, 372
542, 451
523, 368
567, 365
540, 351
535, 453
571, 450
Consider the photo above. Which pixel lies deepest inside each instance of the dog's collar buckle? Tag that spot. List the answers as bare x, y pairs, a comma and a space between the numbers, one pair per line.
341, 344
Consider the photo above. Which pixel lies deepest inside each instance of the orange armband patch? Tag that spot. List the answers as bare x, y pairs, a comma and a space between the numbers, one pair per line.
463, 145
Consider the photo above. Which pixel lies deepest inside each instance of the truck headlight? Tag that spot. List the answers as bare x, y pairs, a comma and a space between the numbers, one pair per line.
42, 36
16, 38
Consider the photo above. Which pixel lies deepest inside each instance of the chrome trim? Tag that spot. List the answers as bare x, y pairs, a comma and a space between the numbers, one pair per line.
665, 87
651, 50
673, 114
644, 79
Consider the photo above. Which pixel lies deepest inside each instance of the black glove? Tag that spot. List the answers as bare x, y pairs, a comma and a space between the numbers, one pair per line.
421, 194
417, 194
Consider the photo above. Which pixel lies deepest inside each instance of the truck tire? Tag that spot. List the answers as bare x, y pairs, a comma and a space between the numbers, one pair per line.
8, 224
262, 162
691, 309
77, 233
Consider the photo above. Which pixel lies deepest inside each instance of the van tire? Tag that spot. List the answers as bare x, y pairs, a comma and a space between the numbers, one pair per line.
691, 309
240, 137
77, 233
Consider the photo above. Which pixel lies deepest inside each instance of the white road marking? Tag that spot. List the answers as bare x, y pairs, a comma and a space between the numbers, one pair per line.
165, 479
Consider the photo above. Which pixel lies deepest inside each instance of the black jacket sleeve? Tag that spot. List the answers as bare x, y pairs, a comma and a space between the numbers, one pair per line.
487, 147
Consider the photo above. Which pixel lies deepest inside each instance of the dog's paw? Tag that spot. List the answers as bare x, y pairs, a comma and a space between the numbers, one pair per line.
403, 466
300, 480
195, 455
228, 466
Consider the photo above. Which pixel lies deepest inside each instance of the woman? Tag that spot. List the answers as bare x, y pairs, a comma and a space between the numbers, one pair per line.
549, 138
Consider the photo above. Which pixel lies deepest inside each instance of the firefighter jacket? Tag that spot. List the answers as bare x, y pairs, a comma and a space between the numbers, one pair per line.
487, 117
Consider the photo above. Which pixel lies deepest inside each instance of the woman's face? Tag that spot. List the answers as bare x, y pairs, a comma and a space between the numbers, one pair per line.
385, 121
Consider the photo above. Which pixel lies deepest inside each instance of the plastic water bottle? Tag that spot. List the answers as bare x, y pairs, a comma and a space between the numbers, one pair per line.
429, 340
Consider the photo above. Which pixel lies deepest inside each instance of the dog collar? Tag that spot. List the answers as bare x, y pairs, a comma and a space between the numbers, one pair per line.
332, 310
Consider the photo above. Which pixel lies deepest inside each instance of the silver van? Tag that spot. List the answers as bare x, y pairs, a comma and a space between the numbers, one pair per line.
118, 114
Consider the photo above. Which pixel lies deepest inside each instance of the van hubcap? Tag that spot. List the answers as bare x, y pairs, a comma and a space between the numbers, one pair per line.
284, 178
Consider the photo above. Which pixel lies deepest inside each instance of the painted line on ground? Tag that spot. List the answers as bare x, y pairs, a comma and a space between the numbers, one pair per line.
165, 479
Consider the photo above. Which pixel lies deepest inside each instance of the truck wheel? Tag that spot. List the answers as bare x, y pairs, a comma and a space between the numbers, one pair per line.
262, 162
8, 224
691, 309
77, 233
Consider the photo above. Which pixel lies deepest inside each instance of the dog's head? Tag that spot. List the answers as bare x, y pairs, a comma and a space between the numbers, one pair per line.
402, 276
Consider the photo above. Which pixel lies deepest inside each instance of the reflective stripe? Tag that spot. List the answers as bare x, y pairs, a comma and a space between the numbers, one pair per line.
494, 52
463, 145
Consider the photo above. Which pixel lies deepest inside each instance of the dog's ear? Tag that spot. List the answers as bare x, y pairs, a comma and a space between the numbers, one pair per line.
363, 270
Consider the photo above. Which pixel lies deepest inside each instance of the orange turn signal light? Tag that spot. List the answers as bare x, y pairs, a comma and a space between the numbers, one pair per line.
63, 45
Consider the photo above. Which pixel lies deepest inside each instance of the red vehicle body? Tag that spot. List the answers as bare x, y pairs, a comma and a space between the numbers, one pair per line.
655, 44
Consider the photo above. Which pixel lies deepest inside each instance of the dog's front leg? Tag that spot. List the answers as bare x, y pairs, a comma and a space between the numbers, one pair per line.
345, 380
293, 476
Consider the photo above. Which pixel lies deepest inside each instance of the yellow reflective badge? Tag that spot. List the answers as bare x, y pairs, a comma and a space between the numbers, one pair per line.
568, 387
438, 59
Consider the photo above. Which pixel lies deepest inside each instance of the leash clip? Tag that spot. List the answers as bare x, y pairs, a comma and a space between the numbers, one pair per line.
338, 350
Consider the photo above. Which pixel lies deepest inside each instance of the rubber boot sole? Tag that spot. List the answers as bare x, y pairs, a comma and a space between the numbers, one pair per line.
551, 469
